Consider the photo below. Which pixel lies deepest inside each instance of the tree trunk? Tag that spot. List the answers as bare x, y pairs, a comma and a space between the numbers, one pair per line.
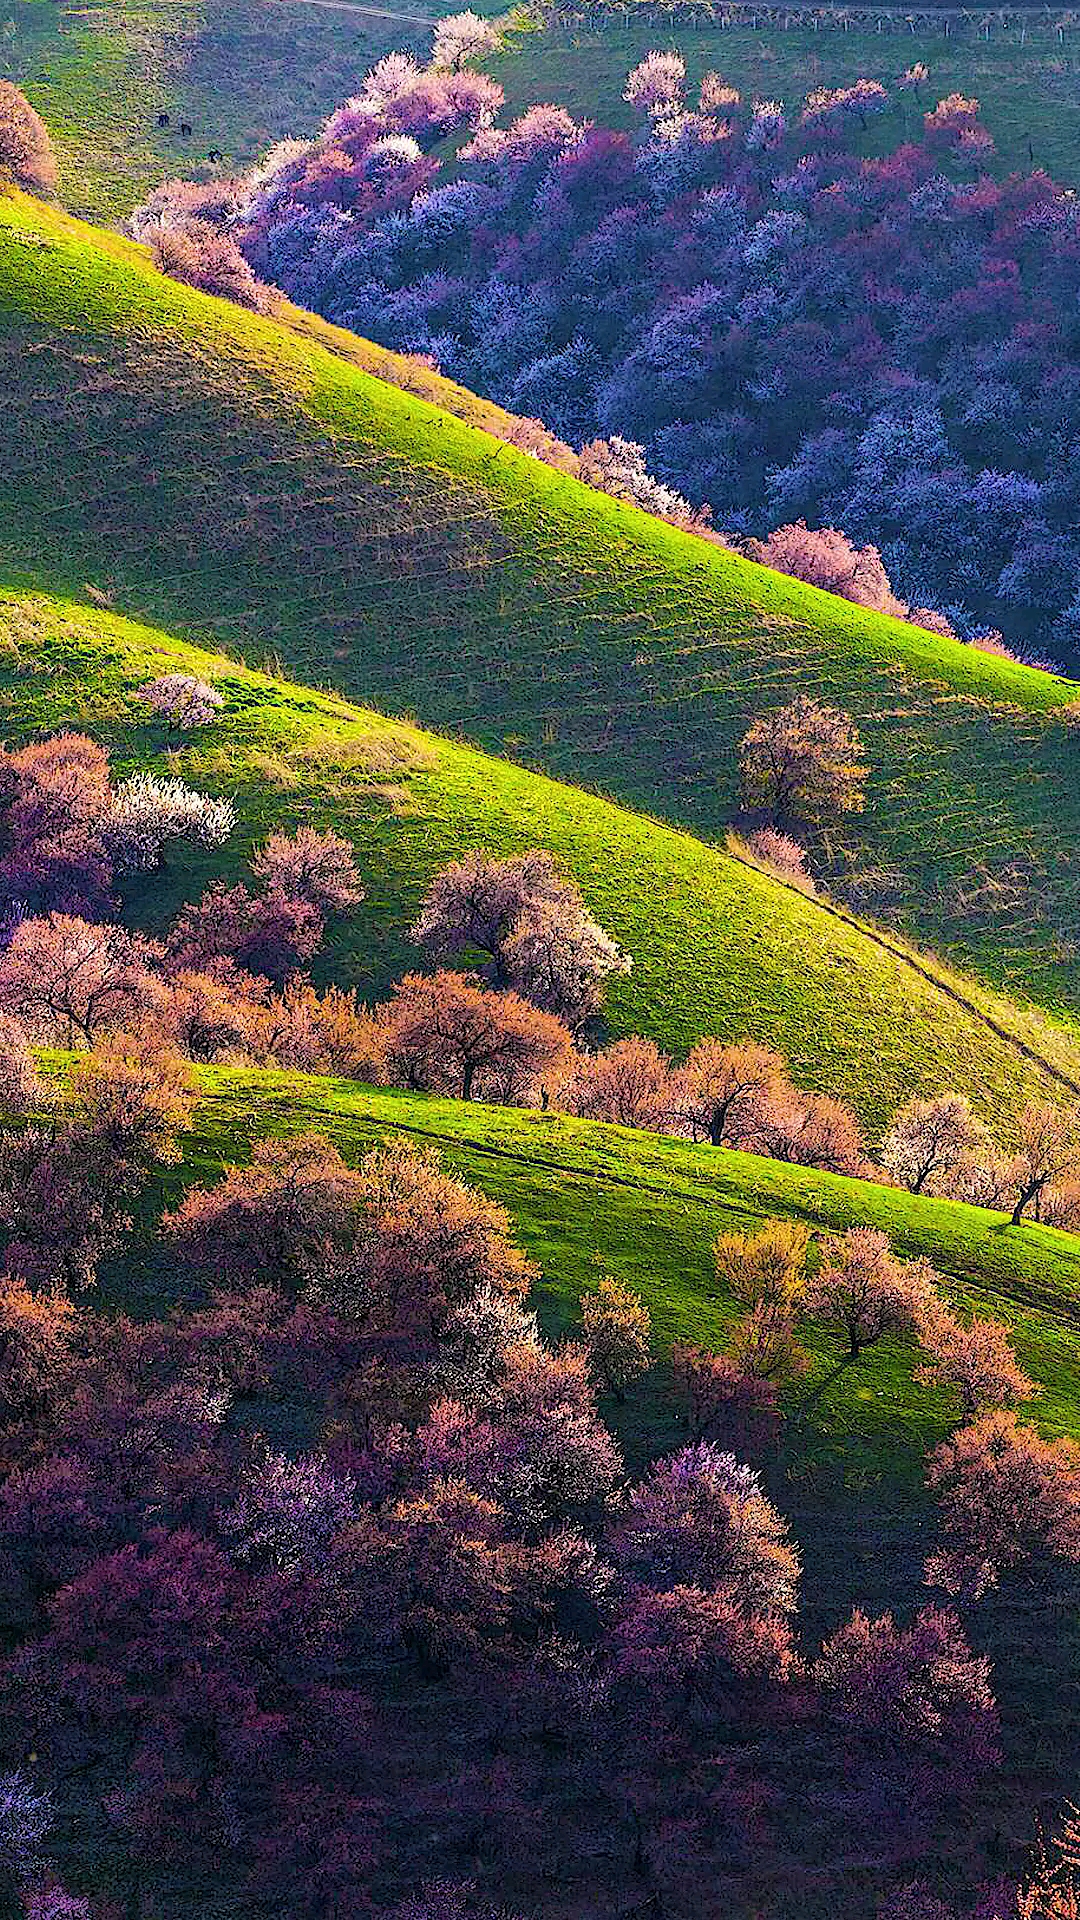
1018, 1210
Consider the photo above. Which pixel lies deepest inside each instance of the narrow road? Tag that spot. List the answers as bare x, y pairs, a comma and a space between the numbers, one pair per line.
372, 13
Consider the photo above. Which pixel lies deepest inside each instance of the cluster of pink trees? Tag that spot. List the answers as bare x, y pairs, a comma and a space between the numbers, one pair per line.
240, 1636
182, 699
69, 832
228, 981
67, 829
858, 1289
938, 1146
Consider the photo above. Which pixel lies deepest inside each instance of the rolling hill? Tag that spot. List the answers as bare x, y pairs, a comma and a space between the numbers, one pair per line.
189, 487
234, 481
587, 1198
1020, 67
717, 945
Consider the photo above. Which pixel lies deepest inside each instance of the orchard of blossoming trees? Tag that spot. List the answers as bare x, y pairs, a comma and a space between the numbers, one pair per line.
334, 1588
447, 1615
791, 330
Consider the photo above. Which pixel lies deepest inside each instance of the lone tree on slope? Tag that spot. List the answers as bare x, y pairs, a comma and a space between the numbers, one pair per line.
804, 763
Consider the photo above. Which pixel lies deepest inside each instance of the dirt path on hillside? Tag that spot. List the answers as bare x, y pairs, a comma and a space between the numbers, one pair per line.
933, 979
371, 13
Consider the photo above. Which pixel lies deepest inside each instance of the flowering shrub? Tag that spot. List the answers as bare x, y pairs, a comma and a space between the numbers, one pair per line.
319, 868
911, 1691
148, 811
289, 1512
25, 1819
826, 558
199, 254
701, 1519
617, 1325
25, 148
182, 699
1006, 1497
461, 38
782, 855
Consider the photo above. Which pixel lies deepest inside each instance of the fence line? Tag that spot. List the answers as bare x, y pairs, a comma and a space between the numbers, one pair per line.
948, 21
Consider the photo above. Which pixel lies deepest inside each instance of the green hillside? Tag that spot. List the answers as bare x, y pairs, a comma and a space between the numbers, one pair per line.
100, 75
717, 946
588, 1198
234, 482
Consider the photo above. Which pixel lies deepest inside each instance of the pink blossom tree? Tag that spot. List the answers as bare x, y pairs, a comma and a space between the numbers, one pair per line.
701, 1519
1006, 1497
975, 1359
724, 1090
442, 1032
65, 979
929, 1140
826, 558
915, 1691
862, 1289
805, 762
629, 1084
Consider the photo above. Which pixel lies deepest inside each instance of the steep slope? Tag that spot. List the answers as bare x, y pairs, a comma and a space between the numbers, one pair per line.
236, 482
717, 946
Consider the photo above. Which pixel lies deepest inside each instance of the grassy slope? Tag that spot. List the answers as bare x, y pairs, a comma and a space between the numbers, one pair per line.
588, 1199
1027, 91
244, 73
717, 946
234, 482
